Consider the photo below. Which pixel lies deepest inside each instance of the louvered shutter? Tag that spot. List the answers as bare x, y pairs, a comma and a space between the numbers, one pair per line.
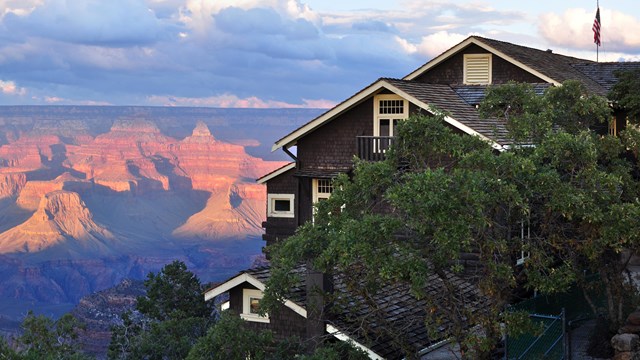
477, 69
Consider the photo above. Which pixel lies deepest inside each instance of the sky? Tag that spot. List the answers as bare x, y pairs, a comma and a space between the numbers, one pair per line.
268, 53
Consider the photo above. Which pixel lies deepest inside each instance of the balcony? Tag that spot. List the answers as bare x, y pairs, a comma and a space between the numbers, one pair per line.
373, 148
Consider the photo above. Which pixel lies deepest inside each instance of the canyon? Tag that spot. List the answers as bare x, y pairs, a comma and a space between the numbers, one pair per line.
92, 195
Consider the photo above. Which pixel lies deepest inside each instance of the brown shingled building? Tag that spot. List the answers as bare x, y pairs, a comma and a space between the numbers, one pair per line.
363, 125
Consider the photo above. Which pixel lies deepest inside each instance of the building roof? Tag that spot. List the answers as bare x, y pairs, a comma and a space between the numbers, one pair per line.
458, 100
279, 171
392, 315
444, 98
603, 73
430, 97
474, 94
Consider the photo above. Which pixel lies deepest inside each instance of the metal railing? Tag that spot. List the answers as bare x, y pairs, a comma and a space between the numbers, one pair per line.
373, 148
550, 344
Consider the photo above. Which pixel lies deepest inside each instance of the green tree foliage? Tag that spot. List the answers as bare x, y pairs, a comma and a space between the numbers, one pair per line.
570, 202
231, 339
174, 293
174, 313
44, 338
626, 93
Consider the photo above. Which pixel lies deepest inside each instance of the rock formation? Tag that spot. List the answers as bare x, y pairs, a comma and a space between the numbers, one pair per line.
61, 216
84, 203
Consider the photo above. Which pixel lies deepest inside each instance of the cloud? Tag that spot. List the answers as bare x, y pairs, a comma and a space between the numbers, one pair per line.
437, 43
97, 22
18, 7
620, 31
61, 101
233, 101
10, 88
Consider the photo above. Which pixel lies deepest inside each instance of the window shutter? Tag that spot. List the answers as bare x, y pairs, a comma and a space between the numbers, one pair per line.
477, 69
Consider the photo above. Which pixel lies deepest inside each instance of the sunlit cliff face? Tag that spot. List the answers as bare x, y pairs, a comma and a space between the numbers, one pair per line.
127, 186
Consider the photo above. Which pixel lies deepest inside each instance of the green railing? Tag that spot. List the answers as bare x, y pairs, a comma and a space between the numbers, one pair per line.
549, 344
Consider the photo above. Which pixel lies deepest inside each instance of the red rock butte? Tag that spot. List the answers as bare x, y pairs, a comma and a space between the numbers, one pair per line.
132, 182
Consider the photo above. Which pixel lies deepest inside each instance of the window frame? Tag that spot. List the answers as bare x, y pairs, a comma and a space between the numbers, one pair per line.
525, 237
465, 74
247, 295
271, 208
315, 185
377, 116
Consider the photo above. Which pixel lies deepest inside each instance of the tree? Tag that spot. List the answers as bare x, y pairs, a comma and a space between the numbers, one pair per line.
231, 339
174, 316
440, 196
45, 338
626, 93
174, 293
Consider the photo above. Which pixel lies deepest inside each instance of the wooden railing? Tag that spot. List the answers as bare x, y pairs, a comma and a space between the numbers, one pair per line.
373, 148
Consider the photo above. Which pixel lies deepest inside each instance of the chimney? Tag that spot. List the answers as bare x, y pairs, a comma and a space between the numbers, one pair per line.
318, 285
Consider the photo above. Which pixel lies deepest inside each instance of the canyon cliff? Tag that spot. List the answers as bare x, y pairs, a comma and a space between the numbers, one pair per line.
86, 203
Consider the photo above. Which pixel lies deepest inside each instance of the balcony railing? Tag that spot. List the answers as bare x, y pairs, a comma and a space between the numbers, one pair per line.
373, 148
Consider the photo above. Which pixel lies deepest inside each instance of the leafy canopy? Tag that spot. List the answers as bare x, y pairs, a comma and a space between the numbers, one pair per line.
444, 203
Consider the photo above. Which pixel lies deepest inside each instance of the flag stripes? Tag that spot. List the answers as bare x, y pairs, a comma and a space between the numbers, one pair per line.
596, 28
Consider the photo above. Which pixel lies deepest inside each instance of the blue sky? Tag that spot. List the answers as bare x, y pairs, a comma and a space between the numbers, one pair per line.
268, 53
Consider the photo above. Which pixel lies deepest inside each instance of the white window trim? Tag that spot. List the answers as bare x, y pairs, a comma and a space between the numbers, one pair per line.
477, 56
525, 236
317, 196
247, 295
377, 116
271, 211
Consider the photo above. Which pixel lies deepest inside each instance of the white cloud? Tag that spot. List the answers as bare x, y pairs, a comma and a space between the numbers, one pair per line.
10, 88
18, 7
60, 101
233, 101
435, 44
620, 31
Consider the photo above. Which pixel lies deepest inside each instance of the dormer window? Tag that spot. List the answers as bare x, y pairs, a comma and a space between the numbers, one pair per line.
477, 69
388, 110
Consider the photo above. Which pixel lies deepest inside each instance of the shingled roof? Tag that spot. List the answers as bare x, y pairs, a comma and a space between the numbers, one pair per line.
603, 73
443, 97
390, 321
556, 66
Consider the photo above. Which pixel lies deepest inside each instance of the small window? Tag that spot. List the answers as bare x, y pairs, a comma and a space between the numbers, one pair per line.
477, 69
388, 110
251, 306
280, 205
322, 189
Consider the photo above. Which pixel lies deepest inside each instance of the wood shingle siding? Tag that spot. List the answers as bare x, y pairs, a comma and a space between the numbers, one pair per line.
279, 228
333, 145
451, 71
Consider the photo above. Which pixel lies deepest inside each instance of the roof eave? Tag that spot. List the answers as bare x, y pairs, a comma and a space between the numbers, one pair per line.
275, 173
473, 40
448, 119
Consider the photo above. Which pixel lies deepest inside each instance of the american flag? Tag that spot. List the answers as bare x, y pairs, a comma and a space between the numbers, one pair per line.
596, 28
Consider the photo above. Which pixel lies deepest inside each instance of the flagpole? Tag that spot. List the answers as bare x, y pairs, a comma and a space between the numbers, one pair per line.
598, 45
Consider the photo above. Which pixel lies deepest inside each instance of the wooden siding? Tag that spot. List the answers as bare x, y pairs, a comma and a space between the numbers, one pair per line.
450, 71
333, 145
278, 228
284, 324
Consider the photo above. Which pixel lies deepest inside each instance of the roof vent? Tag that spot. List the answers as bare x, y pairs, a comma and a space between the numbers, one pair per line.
477, 69
550, 51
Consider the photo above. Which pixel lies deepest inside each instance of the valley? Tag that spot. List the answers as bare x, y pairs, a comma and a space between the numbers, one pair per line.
92, 195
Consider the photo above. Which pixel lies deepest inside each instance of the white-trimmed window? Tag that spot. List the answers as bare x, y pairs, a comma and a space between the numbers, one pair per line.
477, 69
280, 205
525, 237
388, 110
322, 189
251, 306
